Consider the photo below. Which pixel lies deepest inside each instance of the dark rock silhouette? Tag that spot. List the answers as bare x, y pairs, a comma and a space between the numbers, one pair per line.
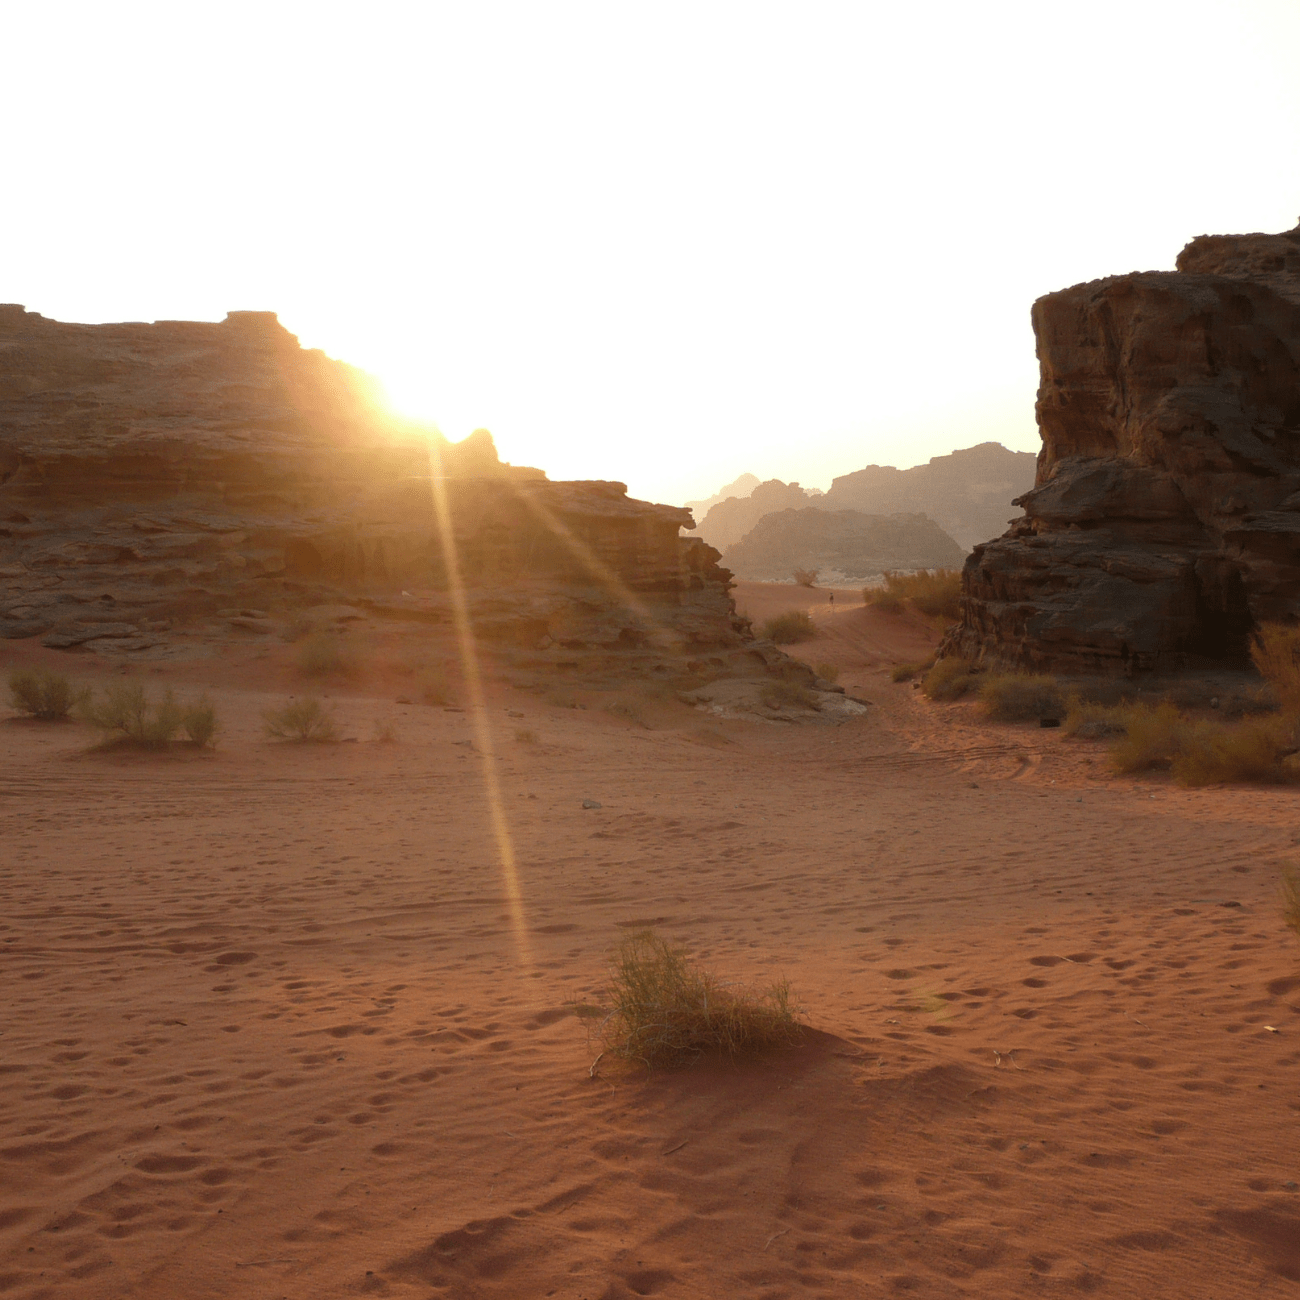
1165, 518
155, 471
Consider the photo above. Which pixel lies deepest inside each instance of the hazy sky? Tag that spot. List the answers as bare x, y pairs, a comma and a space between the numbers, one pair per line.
658, 242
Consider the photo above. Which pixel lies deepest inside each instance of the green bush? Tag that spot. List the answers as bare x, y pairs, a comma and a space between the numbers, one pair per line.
786, 629
935, 593
44, 695
665, 1011
1010, 697
305, 720
128, 717
949, 679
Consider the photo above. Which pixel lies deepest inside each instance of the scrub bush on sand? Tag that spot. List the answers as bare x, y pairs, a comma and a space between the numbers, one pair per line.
305, 720
665, 1011
935, 593
128, 718
949, 679
44, 695
786, 629
1011, 697
1291, 897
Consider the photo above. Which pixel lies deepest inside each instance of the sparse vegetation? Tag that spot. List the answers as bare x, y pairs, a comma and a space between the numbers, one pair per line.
324, 654
1012, 697
827, 672
1291, 897
1090, 721
784, 694
127, 717
44, 695
1275, 650
665, 1011
1254, 751
525, 736
432, 685
905, 672
806, 577
305, 720
936, 593
562, 699
1153, 736
788, 628
949, 679
385, 731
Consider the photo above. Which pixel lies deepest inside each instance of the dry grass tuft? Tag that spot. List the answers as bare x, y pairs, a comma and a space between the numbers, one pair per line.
787, 694
827, 672
935, 593
44, 695
1090, 721
128, 718
1275, 650
905, 672
665, 1011
1011, 697
305, 721
525, 736
806, 577
949, 679
1153, 737
786, 629
1254, 751
384, 731
1291, 897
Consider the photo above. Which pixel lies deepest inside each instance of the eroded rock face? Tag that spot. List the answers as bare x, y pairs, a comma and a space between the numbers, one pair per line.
1165, 518
149, 472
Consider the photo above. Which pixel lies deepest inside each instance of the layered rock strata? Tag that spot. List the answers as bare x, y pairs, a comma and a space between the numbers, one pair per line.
152, 473
1164, 523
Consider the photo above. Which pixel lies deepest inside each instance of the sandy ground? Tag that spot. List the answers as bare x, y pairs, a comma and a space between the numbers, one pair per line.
271, 1029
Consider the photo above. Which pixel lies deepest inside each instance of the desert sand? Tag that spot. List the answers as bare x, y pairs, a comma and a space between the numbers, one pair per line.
275, 1026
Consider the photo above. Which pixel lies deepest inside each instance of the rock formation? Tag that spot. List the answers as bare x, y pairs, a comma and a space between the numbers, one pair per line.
740, 487
728, 521
841, 545
1165, 518
969, 493
155, 472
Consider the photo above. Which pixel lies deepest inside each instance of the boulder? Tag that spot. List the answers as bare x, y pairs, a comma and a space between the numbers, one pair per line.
1164, 522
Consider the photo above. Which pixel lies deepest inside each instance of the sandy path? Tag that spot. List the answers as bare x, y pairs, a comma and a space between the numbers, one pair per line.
269, 1031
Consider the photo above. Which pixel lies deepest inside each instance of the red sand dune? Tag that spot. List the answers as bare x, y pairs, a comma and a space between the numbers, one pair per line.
269, 1030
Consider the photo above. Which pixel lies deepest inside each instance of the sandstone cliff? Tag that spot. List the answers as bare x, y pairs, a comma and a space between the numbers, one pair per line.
154, 472
841, 545
740, 487
728, 521
1165, 518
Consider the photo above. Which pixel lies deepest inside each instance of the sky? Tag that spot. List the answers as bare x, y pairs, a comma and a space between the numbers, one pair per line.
664, 243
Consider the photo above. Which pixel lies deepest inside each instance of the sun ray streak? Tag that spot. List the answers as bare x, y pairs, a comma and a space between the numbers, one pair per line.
484, 742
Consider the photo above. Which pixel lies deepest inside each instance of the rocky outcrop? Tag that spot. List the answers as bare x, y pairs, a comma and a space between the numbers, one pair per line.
969, 493
840, 545
153, 472
728, 521
740, 487
1164, 523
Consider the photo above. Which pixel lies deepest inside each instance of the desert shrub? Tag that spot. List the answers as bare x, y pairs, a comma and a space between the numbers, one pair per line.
44, 695
806, 577
384, 732
828, 673
301, 720
1091, 721
782, 694
1255, 751
665, 1011
199, 722
562, 699
127, 716
786, 629
949, 679
1153, 737
525, 736
935, 593
1275, 650
324, 653
1291, 897
905, 672
1010, 697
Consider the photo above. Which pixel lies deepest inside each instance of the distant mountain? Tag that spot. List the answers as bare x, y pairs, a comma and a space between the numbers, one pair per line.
968, 493
842, 545
742, 487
